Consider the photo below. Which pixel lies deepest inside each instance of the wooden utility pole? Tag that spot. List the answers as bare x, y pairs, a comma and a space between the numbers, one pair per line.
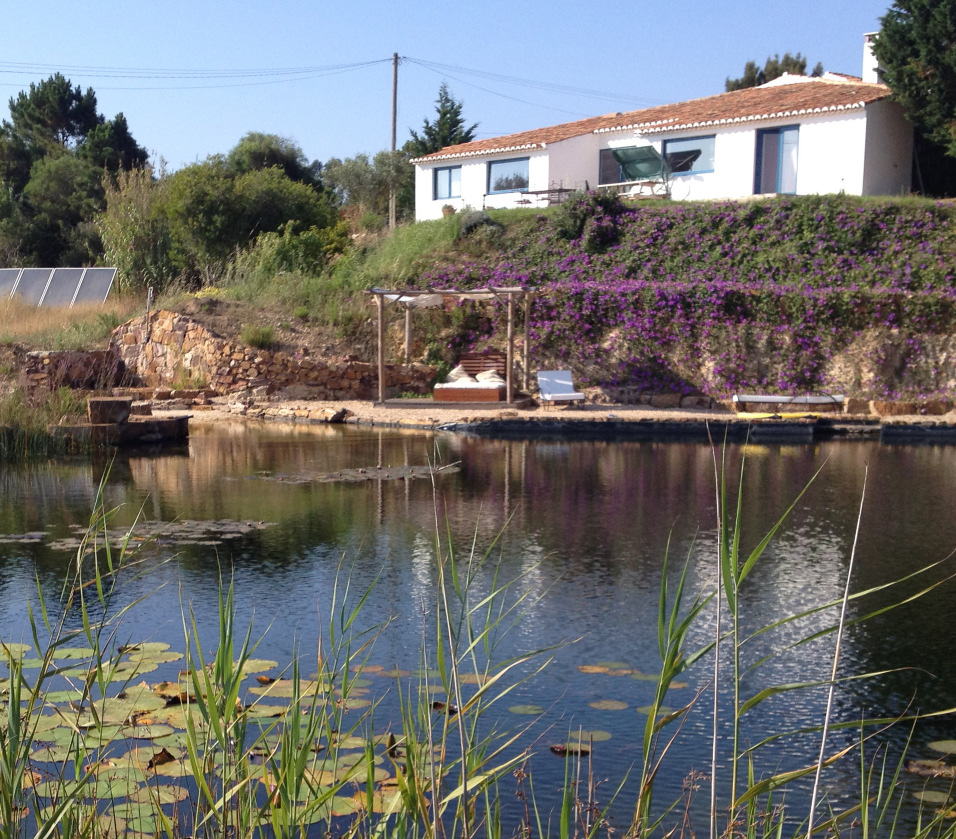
391, 189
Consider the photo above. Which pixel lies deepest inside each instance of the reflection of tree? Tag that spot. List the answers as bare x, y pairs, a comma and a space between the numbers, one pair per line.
516, 180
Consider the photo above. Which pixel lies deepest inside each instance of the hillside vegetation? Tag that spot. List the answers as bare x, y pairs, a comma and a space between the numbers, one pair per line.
794, 294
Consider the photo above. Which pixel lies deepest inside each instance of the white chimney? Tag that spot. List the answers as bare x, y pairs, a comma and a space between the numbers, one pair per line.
871, 68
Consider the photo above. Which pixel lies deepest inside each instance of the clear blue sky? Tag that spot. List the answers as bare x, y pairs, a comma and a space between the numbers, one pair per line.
193, 77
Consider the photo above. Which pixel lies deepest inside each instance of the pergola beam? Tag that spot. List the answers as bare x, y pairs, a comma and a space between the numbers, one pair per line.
426, 298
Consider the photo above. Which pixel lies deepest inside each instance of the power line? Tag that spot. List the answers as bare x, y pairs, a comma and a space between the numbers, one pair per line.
240, 77
550, 87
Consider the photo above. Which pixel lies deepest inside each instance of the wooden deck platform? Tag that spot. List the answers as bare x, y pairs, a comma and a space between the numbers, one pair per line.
520, 402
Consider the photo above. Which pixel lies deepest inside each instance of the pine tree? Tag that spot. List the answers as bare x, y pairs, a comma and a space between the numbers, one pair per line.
448, 129
773, 68
918, 62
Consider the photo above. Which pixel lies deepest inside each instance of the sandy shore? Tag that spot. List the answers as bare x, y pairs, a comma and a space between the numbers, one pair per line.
424, 414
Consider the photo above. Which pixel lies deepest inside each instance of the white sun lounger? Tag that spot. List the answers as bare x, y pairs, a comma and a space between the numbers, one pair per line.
556, 386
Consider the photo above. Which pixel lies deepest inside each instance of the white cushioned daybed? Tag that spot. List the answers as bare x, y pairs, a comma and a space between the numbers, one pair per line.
486, 386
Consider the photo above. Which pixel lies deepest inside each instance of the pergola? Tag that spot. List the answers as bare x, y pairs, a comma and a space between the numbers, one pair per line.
421, 299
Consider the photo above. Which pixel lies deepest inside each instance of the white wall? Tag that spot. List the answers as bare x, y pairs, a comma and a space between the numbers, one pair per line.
831, 154
575, 162
472, 185
889, 151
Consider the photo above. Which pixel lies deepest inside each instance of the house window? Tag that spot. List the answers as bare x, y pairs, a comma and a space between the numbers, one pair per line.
609, 170
690, 155
448, 182
508, 175
629, 163
776, 164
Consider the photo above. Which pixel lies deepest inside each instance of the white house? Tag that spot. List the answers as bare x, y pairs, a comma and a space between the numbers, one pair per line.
796, 135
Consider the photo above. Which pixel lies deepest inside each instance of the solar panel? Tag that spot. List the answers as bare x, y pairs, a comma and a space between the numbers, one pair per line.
62, 287
32, 284
95, 285
57, 286
8, 279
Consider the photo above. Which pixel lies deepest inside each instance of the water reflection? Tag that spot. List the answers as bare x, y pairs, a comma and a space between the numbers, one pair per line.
582, 526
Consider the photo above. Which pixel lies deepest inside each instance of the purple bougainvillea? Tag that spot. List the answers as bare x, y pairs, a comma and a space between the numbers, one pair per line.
628, 290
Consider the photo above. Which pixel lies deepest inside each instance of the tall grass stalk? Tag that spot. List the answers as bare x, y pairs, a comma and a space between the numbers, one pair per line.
674, 621
841, 625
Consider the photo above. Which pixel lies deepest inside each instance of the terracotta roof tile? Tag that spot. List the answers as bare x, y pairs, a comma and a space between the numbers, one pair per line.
781, 101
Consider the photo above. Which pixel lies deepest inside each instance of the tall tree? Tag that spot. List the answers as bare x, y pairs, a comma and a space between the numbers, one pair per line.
109, 146
915, 50
54, 149
54, 113
260, 151
448, 129
773, 68
363, 185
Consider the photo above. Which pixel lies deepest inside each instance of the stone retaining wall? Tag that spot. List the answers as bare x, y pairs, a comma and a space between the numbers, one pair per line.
81, 369
172, 350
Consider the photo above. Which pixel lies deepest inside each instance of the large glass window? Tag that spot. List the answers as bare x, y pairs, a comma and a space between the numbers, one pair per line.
629, 163
776, 164
448, 182
508, 175
690, 155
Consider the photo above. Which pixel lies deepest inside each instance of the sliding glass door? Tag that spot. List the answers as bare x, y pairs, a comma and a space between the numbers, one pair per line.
776, 165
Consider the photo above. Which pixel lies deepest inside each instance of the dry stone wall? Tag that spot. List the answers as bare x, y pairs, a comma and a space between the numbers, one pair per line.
82, 369
168, 349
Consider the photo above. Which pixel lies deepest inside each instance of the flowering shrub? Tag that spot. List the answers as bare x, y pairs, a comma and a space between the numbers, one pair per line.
721, 297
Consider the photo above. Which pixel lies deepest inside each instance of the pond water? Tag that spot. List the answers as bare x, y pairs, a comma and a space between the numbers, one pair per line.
581, 530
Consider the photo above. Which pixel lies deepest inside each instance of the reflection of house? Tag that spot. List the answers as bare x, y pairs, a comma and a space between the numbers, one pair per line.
793, 135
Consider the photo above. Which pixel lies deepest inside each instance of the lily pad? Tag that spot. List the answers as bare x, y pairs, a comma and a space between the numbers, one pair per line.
383, 801
395, 673
144, 648
932, 796
111, 788
596, 736
52, 754
258, 665
263, 711
638, 676
947, 747
160, 793
608, 705
72, 653
61, 696
530, 710
147, 732
98, 737
176, 740
285, 688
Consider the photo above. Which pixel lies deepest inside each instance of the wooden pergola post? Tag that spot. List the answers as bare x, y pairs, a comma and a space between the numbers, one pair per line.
527, 341
509, 387
380, 302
